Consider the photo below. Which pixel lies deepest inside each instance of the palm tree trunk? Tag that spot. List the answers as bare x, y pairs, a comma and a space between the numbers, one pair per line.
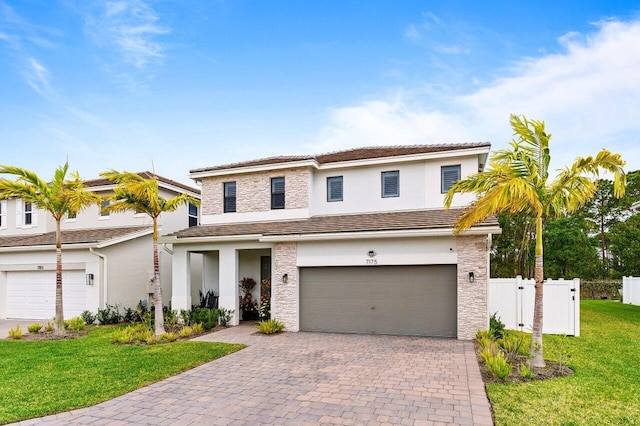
157, 289
536, 342
59, 320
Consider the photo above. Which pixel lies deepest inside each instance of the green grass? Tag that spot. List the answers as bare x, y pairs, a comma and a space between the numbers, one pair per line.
606, 386
45, 377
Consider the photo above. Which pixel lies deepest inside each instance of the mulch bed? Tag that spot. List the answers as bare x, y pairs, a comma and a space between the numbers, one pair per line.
551, 371
48, 335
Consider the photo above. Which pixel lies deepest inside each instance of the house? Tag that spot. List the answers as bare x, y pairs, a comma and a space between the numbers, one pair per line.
355, 241
107, 258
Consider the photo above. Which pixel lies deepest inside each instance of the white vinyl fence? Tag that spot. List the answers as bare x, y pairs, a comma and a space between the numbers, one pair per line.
513, 298
631, 290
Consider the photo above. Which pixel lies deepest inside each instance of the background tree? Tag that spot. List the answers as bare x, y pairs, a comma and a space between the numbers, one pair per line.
512, 250
517, 182
60, 197
142, 195
569, 253
625, 246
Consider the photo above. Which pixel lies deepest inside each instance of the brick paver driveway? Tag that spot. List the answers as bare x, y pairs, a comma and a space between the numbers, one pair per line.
310, 378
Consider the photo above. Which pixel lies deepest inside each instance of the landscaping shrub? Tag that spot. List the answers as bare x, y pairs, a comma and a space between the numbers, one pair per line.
186, 331
49, 327
598, 289
513, 344
224, 316
271, 326
197, 328
130, 315
170, 319
525, 371
169, 337
88, 317
76, 324
15, 333
109, 315
207, 318
34, 328
498, 365
496, 326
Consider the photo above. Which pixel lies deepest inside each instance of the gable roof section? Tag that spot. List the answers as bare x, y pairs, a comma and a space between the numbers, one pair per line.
440, 219
92, 183
355, 154
98, 236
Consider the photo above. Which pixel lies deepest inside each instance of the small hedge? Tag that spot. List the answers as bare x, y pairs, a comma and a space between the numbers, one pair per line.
599, 289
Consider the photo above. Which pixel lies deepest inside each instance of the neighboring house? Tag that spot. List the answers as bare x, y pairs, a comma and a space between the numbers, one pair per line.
107, 258
354, 241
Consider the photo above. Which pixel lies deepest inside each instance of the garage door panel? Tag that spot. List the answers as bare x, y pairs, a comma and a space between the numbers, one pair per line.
31, 294
406, 300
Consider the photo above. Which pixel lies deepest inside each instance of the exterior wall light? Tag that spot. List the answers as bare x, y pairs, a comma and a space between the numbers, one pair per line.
371, 253
472, 277
89, 279
285, 278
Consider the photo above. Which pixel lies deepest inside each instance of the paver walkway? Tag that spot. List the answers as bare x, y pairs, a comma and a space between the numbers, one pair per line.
309, 378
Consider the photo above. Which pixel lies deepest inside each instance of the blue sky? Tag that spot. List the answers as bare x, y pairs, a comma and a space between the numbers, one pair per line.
187, 84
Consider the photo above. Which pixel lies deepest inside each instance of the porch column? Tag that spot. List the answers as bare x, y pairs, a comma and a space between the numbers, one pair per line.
229, 290
181, 279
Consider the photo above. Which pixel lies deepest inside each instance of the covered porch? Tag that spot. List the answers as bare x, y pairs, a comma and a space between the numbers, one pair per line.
223, 265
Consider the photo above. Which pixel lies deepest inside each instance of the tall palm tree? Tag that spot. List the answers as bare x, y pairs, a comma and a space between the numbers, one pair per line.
60, 197
142, 195
517, 181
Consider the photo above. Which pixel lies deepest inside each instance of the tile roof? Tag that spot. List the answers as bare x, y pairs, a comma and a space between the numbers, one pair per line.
350, 155
391, 221
76, 236
146, 175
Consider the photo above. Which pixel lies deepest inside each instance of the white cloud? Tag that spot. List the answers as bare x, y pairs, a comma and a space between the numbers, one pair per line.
130, 28
589, 96
38, 77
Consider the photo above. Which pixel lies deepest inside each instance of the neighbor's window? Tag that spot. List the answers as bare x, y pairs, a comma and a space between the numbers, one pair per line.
193, 215
104, 204
334, 188
229, 197
450, 175
277, 193
28, 213
72, 215
391, 184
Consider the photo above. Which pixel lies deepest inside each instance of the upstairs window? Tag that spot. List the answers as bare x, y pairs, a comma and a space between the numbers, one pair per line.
391, 184
28, 213
72, 215
277, 193
450, 175
193, 215
3, 214
104, 204
229, 197
334, 188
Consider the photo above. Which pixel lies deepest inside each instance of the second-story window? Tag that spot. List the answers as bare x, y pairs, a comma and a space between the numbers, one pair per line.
450, 175
229, 197
3, 214
391, 184
72, 215
28, 213
277, 193
334, 188
193, 215
103, 205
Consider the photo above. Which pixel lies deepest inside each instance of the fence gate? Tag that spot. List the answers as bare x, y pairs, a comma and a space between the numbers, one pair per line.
513, 300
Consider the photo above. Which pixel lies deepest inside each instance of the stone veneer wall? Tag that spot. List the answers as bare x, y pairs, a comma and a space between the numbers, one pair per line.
285, 303
253, 190
472, 297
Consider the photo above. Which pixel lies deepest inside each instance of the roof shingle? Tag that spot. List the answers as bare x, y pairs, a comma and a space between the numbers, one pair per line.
145, 175
76, 236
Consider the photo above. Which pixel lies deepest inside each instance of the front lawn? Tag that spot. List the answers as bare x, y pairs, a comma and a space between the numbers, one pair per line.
45, 377
606, 386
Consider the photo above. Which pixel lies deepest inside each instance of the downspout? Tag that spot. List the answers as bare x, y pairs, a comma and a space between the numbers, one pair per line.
105, 273
167, 249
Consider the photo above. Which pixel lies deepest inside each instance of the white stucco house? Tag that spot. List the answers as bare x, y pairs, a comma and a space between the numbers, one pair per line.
107, 258
355, 241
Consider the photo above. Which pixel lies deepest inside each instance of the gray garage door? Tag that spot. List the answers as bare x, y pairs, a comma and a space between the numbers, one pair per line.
403, 300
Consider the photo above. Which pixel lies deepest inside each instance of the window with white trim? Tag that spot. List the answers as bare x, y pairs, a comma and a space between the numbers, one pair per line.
449, 176
28, 213
193, 215
229, 197
391, 184
104, 204
71, 216
277, 193
3, 214
334, 188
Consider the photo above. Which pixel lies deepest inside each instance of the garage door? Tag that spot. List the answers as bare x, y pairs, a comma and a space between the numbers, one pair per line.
32, 294
403, 300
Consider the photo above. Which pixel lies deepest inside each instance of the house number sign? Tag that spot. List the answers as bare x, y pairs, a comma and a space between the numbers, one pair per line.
371, 261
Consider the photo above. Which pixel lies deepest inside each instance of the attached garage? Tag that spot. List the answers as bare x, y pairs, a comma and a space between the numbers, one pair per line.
32, 294
412, 300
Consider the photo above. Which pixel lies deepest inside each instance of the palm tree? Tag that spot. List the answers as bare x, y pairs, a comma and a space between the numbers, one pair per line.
142, 195
60, 197
517, 181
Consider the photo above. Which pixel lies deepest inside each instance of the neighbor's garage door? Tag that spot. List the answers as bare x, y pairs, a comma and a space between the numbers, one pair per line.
32, 294
403, 300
